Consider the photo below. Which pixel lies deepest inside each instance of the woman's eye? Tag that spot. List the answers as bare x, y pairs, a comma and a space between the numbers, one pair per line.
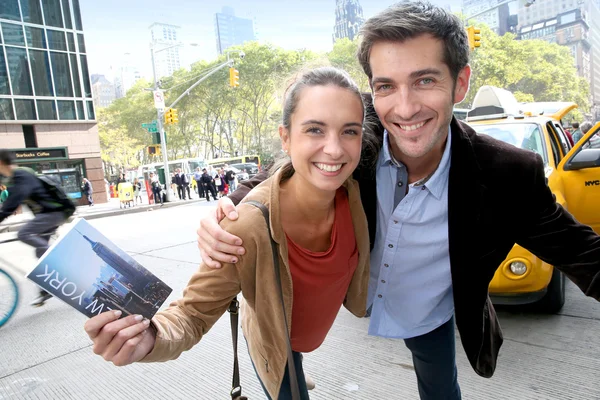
350, 132
314, 130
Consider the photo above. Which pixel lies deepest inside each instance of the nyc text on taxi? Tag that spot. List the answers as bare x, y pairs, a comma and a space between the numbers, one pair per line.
573, 174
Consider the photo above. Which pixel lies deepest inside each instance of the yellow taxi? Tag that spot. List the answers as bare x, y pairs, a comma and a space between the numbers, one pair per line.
573, 174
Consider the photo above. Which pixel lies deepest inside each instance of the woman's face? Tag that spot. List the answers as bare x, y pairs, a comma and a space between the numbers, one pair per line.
325, 137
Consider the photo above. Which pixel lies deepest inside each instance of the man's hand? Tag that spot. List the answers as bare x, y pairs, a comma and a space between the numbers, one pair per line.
214, 243
121, 341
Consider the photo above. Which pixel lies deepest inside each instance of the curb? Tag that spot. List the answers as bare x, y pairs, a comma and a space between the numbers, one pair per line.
112, 213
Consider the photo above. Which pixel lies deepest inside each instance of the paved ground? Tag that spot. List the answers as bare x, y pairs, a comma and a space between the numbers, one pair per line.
45, 354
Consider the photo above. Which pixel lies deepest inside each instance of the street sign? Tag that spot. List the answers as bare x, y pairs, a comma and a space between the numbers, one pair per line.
159, 99
151, 127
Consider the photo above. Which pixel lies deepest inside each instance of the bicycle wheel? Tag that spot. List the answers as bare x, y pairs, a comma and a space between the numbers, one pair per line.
9, 297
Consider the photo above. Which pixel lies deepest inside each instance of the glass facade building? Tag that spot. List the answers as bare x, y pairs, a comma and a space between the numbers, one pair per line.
43, 62
231, 30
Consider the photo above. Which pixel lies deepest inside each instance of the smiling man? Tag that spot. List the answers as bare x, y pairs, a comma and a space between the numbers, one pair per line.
440, 203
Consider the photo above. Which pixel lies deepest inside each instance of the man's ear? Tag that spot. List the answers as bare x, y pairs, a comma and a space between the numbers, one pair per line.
462, 84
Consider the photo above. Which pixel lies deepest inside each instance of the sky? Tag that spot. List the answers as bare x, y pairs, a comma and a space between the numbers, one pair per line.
113, 28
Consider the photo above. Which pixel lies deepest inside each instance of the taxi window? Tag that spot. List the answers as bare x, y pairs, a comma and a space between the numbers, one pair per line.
562, 138
526, 136
556, 147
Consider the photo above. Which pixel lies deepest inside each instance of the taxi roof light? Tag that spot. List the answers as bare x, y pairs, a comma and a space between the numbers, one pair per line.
493, 103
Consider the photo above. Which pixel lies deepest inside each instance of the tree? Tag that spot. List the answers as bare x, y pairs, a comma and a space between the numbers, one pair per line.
534, 70
343, 56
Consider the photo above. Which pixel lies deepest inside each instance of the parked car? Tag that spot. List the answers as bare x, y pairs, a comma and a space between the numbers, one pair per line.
573, 175
240, 175
250, 168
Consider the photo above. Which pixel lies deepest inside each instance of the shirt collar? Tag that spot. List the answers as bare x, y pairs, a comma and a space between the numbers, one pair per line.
436, 182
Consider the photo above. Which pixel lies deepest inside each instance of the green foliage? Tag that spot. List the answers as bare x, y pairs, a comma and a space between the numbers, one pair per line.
217, 120
534, 70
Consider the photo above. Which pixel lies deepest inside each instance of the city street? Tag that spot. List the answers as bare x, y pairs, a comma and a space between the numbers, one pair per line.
45, 353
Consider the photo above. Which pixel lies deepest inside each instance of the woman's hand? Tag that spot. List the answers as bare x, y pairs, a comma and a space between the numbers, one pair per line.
121, 341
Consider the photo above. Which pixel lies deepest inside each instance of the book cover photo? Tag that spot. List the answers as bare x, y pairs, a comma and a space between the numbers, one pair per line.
90, 273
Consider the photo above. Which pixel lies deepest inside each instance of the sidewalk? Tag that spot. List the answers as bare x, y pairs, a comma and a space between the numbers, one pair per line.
108, 209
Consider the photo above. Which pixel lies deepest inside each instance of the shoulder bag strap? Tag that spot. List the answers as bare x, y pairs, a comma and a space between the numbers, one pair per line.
290, 357
236, 388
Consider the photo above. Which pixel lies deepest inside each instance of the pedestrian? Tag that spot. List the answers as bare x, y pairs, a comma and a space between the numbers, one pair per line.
207, 183
156, 188
577, 134
88, 191
313, 192
220, 182
44, 197
137, 190
230, 178
198, 179
440, 217
3, 194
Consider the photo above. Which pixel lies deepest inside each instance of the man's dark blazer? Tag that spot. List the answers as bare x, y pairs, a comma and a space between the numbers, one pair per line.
497, 196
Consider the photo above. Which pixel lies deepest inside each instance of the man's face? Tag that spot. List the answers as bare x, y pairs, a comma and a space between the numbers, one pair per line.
414, 94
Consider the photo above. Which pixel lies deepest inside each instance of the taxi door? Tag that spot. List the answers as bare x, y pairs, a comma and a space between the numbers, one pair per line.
579, 172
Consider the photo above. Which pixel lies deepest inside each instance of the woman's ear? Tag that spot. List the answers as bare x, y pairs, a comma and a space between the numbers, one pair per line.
284, 134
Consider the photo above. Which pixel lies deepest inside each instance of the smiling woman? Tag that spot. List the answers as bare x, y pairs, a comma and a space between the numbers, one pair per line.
316, 225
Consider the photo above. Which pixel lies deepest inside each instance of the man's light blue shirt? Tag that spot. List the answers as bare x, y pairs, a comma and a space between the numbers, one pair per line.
410, 287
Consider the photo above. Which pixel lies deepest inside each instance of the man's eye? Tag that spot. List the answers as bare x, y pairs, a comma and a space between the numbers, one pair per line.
426, 81
384, 87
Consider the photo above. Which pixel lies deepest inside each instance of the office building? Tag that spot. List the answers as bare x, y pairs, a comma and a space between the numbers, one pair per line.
348, 19
103, 91
572, 23
497, 18
166, 61
126, 76
231, 30
47, 115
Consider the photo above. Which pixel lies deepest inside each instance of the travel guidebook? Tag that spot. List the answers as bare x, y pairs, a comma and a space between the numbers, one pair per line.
90, 273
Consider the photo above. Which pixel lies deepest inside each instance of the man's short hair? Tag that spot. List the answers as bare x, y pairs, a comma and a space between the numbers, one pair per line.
576, 125
409, 20
6, 157
586, 126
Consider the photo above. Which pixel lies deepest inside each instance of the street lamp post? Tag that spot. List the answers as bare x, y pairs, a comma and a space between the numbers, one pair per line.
159, 123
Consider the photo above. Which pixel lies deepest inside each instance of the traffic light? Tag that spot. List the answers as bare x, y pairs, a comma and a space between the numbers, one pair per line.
474, 35
234, 77
171, 116
153, 151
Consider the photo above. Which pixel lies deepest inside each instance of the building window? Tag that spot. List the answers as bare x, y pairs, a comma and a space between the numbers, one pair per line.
75, 72
40, 69
86, 80
35, 37
62, 75
18, 68
9, 9
25, 109
81, 43
77, 15
66, 110
29, 136
71, 41
46, 109
13, 34
52, 14
6, 110
31, 11
56, 40
80, 113
4, 88
66, 13
90, 110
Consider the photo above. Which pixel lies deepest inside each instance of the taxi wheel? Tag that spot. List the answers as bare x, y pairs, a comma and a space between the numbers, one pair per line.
554, 299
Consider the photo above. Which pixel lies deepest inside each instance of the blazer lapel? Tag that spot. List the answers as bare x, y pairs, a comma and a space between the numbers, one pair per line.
465, 202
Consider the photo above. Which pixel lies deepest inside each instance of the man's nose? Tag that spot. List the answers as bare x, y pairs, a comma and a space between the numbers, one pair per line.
406, 103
